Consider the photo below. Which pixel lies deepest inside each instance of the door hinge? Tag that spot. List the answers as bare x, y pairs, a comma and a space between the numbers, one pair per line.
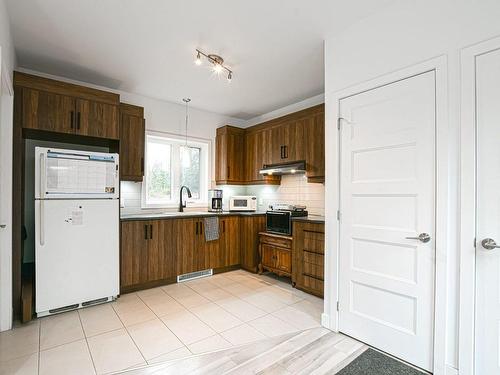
338, 122
338, 306
474, 242
338, 215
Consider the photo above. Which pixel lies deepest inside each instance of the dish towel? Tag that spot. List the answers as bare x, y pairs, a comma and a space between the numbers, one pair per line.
211, 228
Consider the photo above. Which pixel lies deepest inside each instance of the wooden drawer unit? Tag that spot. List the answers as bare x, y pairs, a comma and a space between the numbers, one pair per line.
308, 263
275, 254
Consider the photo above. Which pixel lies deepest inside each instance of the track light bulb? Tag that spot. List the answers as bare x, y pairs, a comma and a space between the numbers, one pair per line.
229, 77
198, 59
217, 68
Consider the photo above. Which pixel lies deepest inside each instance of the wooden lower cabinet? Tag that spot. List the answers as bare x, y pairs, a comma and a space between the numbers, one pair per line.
275, 253
147, 252
308, 257
250, 226
185, 240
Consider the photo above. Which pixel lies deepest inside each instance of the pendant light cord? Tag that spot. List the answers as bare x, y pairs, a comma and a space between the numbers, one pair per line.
186, 100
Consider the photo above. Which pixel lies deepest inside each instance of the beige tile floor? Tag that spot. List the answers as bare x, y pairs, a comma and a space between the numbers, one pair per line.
160, 324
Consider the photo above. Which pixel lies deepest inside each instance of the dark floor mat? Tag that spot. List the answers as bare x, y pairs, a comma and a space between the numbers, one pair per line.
372, 362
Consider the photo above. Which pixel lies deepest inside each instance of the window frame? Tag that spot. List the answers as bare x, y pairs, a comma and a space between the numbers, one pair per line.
176, 142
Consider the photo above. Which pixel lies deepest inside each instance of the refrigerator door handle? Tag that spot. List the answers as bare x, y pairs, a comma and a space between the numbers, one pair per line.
42, 224
42, 176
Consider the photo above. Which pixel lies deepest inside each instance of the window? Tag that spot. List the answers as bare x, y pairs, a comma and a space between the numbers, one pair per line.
171, 163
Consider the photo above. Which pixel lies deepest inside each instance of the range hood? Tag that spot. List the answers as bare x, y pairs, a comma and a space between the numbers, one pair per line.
296, 167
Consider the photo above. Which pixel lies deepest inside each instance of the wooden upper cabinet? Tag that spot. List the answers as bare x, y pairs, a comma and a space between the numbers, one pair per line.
132, 138
61, 107
300, 136
258, 152
48, 111
95, 119
288, 143
229, 156
315, 148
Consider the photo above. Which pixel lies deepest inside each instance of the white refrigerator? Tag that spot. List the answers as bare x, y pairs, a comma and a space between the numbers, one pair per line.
76, 229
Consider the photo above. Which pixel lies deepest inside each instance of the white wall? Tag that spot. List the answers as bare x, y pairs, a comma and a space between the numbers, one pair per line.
6, 44
7, 63
406, 33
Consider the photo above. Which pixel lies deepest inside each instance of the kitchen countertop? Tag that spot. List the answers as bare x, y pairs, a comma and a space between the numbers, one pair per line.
310, 219
183, 215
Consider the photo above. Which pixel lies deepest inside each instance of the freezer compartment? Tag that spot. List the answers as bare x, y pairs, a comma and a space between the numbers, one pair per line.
76, 252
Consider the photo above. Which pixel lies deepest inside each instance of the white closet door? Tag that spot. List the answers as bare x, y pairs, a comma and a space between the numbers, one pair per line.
386, 290
488, 213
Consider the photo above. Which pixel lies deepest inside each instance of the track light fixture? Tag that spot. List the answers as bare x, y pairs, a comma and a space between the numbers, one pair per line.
217, 63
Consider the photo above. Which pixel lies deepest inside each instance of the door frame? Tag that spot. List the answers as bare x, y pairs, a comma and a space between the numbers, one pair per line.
330, 318
6, 254
468, 55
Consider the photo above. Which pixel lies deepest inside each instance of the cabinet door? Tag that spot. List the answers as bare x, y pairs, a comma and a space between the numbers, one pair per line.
250, 226
217, 250
134, 252
278, 144
295, 148
268, 255
230, 143
96, 119
283, 260
161, 253
203, 249
184, 236
221, 162
132, 133
231, 231
47, 111
315, 148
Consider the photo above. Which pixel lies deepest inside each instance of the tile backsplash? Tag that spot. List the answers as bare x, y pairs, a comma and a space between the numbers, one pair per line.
293, 190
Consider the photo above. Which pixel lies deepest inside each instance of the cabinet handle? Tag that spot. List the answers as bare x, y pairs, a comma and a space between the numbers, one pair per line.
201, 228
145, 232
223, 227
78, 120
228, 171
281, 152
142, 165
72, 119
150, 231
197, 228
286, 151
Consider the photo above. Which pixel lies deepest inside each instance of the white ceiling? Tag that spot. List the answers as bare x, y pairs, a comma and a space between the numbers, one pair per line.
275, 47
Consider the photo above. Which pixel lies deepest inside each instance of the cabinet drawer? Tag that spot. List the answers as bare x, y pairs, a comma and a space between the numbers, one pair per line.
314, 242
313, 283
313, 265
277, 241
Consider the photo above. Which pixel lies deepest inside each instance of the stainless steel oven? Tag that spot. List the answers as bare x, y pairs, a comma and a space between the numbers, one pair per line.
279, 222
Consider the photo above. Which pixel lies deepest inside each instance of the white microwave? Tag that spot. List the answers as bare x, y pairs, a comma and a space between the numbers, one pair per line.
243, 203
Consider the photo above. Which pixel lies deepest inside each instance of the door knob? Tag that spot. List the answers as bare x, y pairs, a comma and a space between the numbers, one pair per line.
489, 244
422, 237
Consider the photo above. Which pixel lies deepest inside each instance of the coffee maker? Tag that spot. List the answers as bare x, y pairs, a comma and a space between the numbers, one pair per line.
215, 200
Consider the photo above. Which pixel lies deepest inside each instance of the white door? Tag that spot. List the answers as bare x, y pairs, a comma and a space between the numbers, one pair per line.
488, 213
76, 251
386, 290
6, 109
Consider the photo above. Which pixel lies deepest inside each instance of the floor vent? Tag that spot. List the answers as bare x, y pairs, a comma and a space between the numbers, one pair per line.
194, 275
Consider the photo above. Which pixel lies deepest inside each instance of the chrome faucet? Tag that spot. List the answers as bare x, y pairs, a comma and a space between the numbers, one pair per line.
182, 205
